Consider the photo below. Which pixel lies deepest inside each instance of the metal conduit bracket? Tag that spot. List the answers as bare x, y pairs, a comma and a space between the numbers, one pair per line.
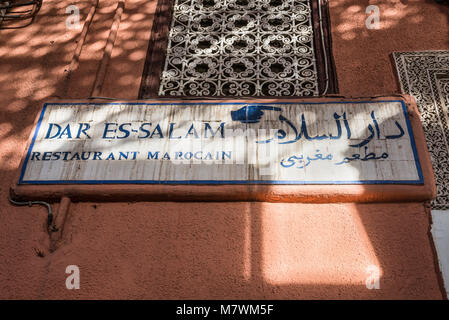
31, 203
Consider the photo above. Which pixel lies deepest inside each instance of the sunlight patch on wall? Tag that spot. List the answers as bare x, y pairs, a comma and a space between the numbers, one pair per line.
320, 244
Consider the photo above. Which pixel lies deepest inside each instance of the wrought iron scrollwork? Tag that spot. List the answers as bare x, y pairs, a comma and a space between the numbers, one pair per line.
18, 13
240, 48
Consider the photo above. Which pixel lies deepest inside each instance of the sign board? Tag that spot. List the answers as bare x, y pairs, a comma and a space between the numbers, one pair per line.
223, 143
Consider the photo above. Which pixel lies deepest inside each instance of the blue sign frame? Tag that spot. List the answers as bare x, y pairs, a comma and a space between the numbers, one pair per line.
198, 182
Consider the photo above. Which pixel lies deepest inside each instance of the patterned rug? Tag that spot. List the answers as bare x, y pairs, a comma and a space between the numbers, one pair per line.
425, 75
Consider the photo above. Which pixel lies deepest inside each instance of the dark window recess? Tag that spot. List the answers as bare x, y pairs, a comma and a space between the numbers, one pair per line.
245, 48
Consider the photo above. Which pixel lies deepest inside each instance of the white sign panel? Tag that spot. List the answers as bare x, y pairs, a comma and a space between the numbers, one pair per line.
213, 143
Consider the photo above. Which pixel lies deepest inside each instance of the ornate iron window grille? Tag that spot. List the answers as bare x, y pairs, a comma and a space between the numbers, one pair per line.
257, 48
13, 12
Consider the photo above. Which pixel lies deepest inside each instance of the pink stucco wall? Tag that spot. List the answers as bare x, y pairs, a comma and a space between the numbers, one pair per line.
206, 250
